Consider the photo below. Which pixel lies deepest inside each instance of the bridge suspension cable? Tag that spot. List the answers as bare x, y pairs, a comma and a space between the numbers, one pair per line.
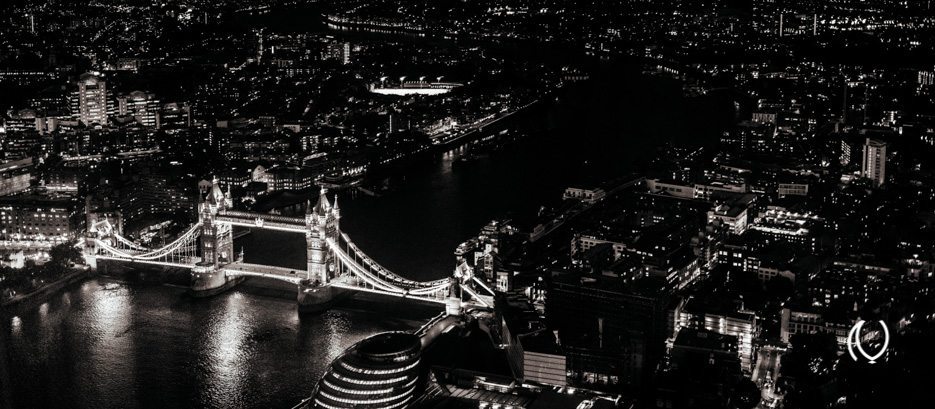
386, 273
187, 243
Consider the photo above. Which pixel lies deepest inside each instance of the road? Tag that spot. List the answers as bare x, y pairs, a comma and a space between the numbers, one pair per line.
565, 217
765, 374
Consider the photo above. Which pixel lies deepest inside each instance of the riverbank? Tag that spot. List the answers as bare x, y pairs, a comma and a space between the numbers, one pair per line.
29, 300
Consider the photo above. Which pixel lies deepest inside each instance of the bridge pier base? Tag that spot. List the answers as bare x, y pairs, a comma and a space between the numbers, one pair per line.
91, 262
314, 297
90, 253
208, 280
453, 306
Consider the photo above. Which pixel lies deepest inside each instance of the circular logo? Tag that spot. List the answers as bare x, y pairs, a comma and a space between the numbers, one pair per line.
853, 339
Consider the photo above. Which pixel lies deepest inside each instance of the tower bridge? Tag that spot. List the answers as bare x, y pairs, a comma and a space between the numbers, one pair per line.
334, 264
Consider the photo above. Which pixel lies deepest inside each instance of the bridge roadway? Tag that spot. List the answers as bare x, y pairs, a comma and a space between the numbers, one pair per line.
347, 282
238, 269
187, 262
351, 283
266, 221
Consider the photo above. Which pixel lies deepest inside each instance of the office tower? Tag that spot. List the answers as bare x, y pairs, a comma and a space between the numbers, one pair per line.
92, 100
873, 166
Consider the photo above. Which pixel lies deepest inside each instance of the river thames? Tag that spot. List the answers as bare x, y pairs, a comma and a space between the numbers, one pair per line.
105, 343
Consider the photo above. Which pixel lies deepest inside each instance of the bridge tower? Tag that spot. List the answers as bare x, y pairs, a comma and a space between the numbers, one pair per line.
322, 222
90, 245
217, 243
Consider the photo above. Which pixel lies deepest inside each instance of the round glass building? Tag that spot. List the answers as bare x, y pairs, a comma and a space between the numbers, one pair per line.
379, 372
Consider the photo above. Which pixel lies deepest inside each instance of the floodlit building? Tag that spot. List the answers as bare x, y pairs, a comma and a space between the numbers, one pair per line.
379, 372
92, 100
38, 219
724, 319
873, 166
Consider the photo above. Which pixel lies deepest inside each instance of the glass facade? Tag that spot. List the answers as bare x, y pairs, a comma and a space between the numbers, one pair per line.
379, 372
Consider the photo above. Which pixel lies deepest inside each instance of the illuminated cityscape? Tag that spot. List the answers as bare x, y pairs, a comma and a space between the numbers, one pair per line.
491, 204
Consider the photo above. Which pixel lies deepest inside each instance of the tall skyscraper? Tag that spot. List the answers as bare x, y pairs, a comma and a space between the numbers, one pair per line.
873, 166
92, 99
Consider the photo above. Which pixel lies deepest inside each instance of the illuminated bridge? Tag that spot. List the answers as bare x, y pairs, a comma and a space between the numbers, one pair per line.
335, 264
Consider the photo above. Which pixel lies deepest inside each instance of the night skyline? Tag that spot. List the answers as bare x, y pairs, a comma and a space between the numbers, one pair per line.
477, 204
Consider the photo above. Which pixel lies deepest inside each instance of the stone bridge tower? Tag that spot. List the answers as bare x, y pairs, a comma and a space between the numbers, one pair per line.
323, 222
217, 243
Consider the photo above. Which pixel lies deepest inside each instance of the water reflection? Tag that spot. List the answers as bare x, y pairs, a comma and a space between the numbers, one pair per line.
337, 326
16, 324
227, 356
105, 344
108, 318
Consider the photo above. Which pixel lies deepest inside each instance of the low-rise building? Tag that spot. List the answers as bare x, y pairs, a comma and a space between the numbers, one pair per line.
671, 188
808, 320
584, 195
39, 219
726, 318
15, 176
792, 189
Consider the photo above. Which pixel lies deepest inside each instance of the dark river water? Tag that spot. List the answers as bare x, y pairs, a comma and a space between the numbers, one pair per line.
111, 344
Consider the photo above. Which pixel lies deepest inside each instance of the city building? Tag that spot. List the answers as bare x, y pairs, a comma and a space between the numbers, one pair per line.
420, 87
585, 195
792, 189
706, 345
381, 371
93, 102
42, 220
811, 320
141, 106
15, 176
582, 243
151, 193
722, 317
533, 352
291, 178
611, 331
457, 388
873, 165
671, 188
174, 115
23, 120
733, 217
62, 179
703, 371
338, 50
777, 224
847, 284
